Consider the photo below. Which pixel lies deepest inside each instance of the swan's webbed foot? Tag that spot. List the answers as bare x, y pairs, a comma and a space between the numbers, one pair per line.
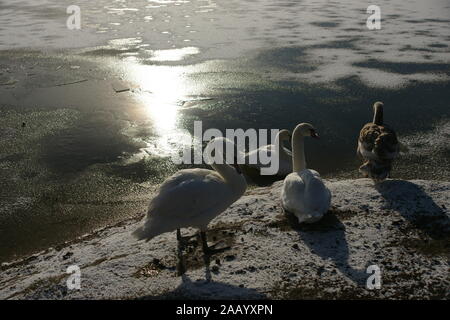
210, 250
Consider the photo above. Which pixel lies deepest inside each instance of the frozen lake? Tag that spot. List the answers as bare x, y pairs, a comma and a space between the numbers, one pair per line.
89, 156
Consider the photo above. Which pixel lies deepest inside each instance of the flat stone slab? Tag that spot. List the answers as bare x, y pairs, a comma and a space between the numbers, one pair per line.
400, 226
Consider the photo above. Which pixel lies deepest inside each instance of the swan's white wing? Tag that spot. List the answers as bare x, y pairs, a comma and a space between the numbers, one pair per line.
317, 197
183, 176
305, 195
292, 193
189, 192
188, 198
285, 159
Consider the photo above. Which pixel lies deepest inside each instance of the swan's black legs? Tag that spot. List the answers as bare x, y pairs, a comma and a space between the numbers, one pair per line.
187, 240
204, 242
179, 237
208, 251
180, 265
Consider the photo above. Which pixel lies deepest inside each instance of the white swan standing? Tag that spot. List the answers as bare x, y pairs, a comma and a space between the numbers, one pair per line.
192, 198
304, 194
274, 150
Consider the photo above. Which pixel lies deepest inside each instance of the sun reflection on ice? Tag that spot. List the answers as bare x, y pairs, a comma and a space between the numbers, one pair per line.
162, 87
173, 54
162, 91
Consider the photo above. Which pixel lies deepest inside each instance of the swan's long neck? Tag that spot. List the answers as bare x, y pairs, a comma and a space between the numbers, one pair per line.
279, 144
298, 151
378, 114
229, 174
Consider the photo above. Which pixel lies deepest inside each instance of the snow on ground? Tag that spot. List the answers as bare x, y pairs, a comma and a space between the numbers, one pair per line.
401, 226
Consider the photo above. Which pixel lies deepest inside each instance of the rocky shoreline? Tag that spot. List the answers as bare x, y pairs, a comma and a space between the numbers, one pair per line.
403, 227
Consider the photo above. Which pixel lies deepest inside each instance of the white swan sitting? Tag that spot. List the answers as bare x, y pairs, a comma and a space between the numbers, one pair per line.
192, 198
274, 150
303, 193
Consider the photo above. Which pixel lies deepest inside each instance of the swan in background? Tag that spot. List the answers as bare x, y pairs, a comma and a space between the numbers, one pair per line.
377, 146
304, 194
192, 198
278, 149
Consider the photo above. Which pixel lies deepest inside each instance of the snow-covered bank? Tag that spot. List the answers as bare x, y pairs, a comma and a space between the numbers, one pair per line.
401, 226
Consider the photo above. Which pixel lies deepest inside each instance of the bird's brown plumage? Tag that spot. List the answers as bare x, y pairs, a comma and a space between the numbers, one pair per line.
378, 146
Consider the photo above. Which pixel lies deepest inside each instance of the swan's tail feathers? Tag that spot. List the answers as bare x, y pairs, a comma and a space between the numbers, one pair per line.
142, 234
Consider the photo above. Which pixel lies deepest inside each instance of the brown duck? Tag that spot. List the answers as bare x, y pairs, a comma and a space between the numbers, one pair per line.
378, 146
